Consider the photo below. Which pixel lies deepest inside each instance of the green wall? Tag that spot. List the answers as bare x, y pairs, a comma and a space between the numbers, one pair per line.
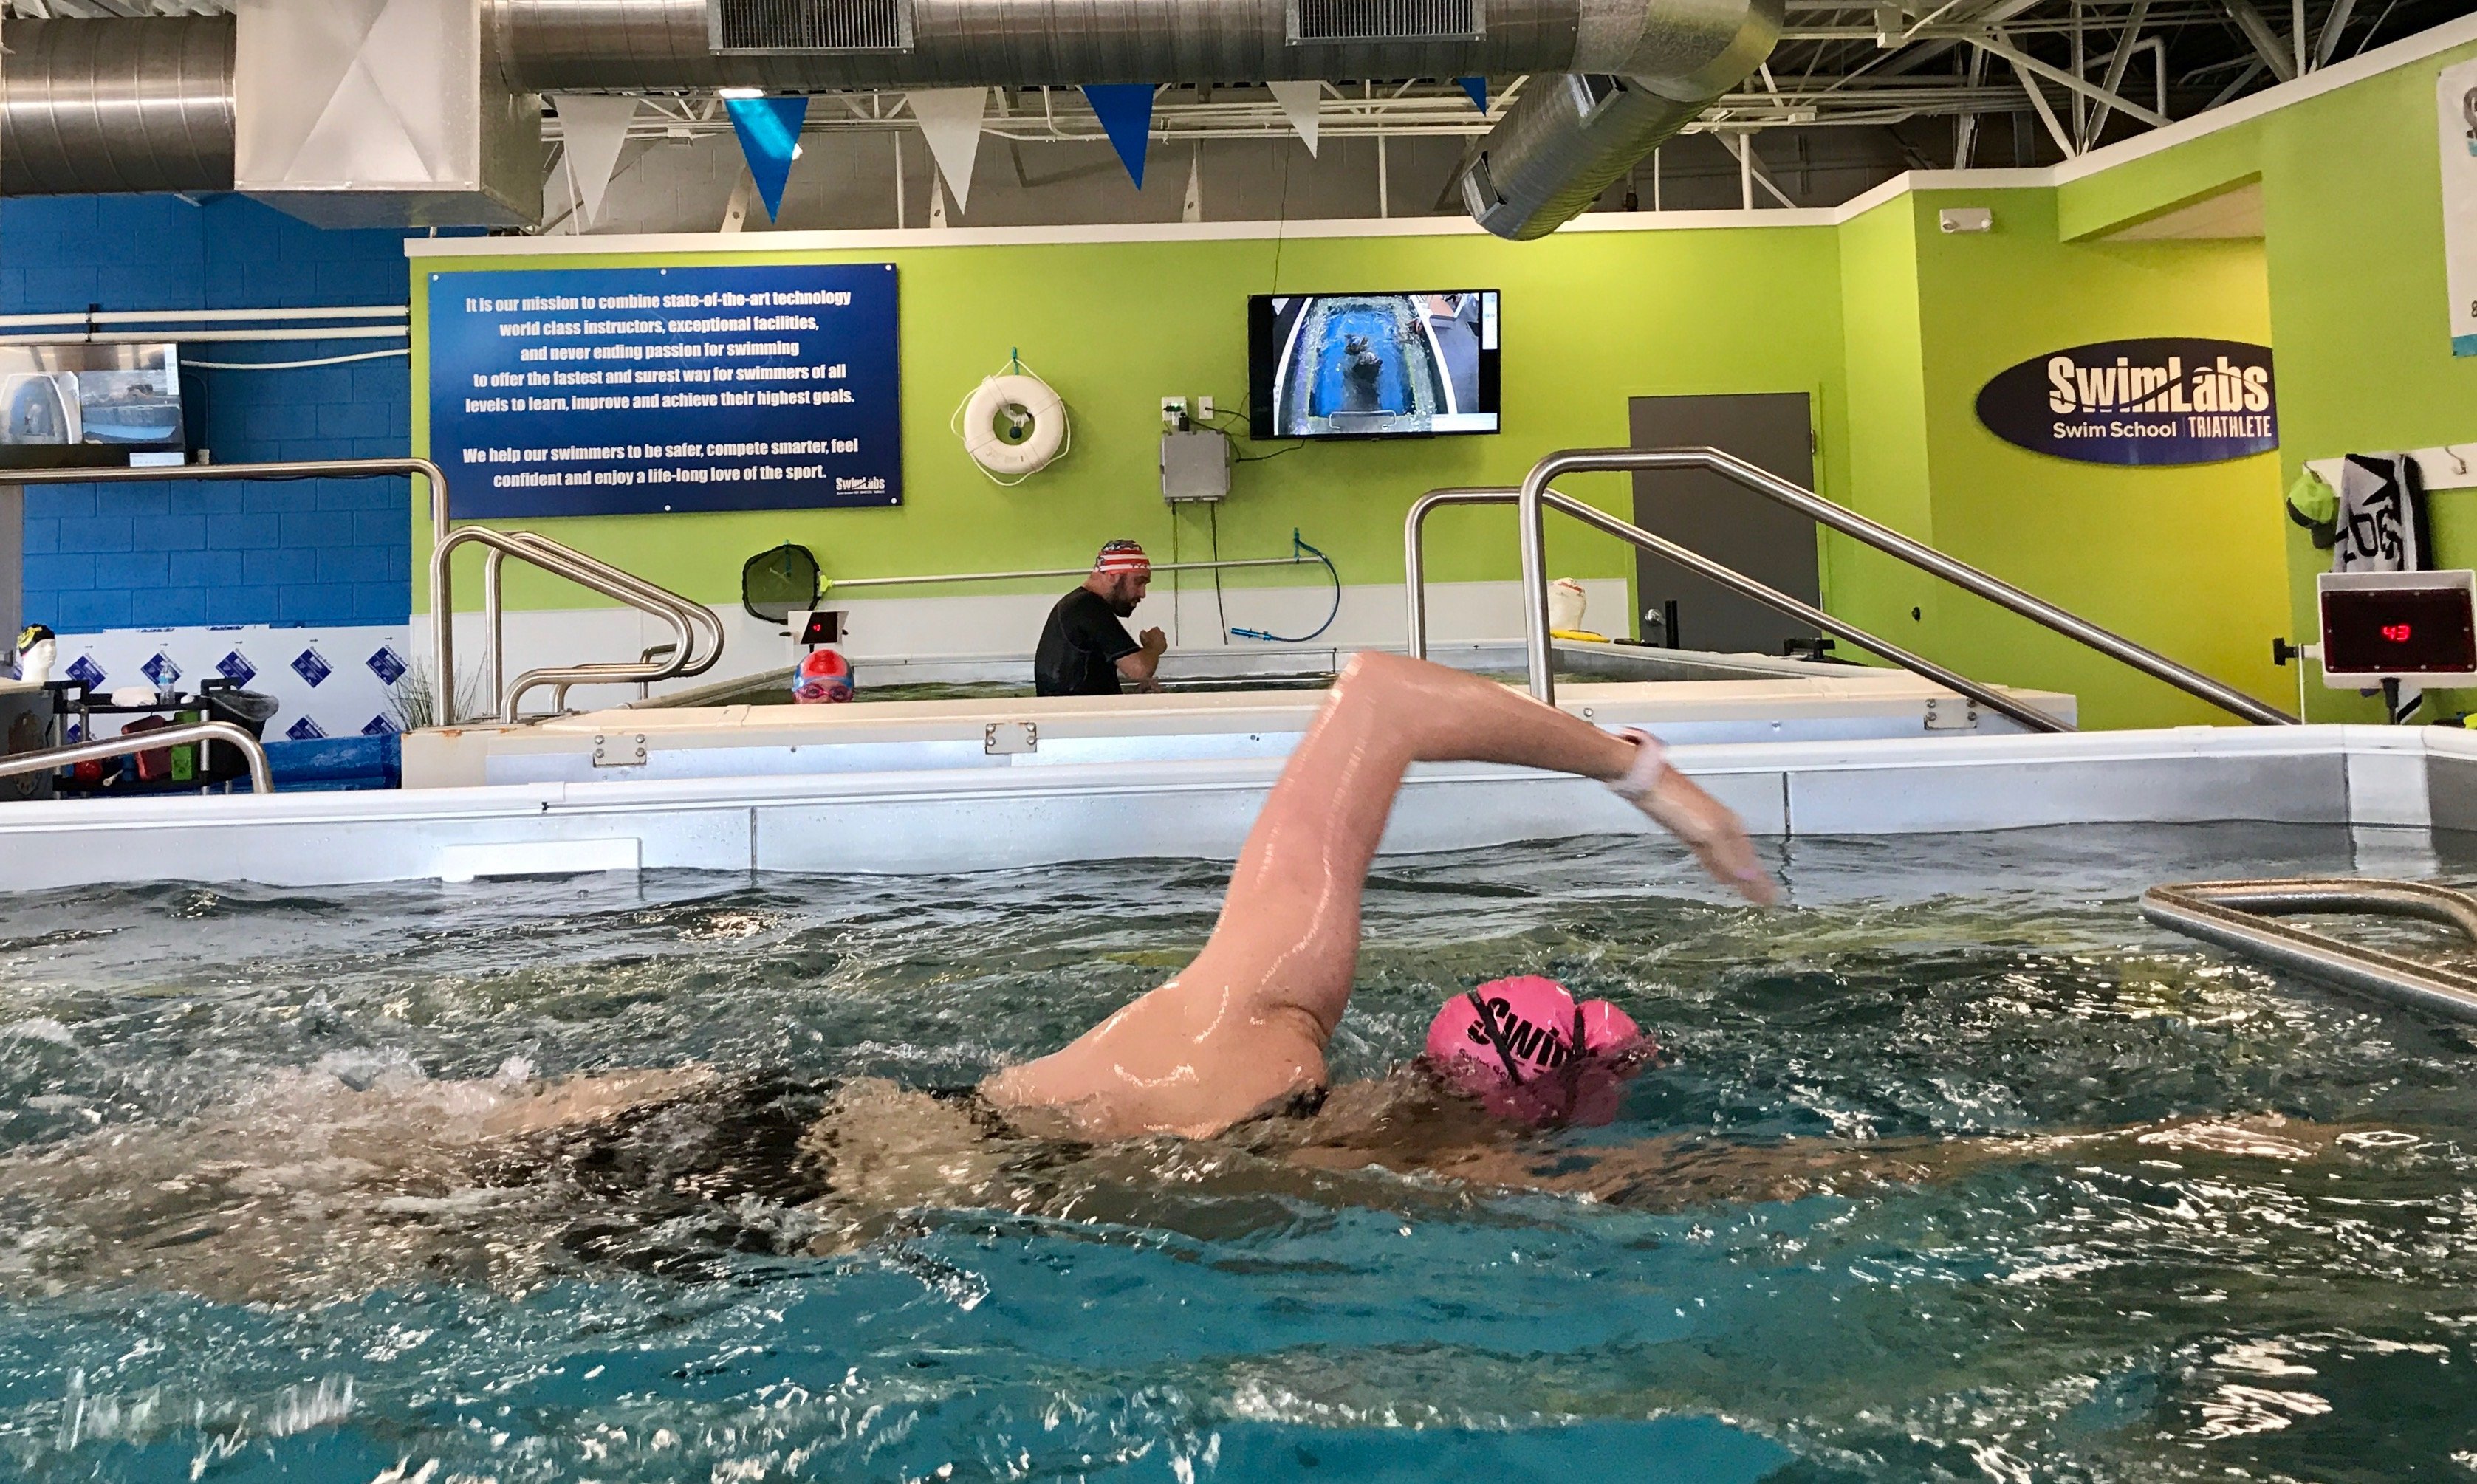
2183, 561
1891, 325
1590, 320
2352, 216
2178, 559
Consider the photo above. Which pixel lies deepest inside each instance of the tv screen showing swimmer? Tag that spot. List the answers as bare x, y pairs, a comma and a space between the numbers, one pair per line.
1374, 366
87, 404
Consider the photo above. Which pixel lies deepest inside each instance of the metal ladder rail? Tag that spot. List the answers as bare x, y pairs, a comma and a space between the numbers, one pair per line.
684, 614
445, 539
2237, 915
1849, 523
262, 778
699, 631
1414, 566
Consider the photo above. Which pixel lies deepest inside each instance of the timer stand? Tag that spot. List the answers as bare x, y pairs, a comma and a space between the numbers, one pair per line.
2389, 629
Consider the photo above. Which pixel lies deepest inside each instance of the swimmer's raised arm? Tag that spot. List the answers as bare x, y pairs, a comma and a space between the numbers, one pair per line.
1244, 1025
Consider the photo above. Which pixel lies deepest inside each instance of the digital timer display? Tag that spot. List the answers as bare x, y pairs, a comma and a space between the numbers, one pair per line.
2407, 631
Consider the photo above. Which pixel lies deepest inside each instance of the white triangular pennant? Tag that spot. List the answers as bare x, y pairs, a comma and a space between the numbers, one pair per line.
1300, 101
950, 119
595, 127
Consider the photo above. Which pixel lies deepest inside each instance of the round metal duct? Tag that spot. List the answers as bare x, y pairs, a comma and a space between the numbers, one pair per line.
97, 106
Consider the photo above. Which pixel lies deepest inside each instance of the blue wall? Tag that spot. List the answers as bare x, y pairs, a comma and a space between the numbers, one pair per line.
154, 555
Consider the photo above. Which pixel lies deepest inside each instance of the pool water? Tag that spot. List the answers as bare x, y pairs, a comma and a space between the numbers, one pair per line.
177, 1067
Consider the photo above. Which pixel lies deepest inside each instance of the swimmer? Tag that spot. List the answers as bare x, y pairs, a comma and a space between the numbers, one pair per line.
1242, 1029
1209, 1089
822, 677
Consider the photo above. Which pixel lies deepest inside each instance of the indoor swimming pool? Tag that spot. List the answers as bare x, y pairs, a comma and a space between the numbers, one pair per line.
1959, 1171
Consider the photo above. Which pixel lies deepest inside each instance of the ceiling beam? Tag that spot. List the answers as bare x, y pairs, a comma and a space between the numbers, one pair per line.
2266, 41
2116, 65
2331, 27
2022, 62
2046, 113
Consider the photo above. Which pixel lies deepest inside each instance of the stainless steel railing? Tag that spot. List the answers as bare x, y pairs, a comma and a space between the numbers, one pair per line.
836, 585
261, 779
1415, 570
692, 619
696, 650
2237, 915
1533, 504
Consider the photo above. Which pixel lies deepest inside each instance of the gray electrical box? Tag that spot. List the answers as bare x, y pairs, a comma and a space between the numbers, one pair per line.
1195, 466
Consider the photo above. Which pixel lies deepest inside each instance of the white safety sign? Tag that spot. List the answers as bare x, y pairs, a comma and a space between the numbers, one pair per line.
2456, 100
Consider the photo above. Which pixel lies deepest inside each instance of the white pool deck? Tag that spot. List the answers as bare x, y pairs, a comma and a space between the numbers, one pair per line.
1835, 703
1001, 812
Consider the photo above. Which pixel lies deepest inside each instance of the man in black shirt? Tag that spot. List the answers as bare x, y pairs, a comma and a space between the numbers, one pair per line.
1085, 650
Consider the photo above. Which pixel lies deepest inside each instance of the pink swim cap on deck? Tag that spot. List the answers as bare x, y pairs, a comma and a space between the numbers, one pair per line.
1510, 1044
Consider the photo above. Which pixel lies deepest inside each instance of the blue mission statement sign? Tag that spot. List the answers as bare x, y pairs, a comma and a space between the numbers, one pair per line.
622, 391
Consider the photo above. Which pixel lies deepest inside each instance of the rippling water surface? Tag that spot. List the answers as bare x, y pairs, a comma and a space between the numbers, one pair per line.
204, 1228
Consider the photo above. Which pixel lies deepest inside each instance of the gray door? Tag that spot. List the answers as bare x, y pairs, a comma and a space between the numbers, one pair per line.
1723, 521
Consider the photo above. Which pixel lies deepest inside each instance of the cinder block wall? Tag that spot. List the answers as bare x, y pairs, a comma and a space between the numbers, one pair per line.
104, 556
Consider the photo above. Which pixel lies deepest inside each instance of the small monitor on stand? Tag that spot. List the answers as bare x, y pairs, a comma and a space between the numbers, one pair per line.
2380, 629
822, 625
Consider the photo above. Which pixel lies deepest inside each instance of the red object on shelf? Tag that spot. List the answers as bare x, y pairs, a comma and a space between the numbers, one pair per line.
154, 765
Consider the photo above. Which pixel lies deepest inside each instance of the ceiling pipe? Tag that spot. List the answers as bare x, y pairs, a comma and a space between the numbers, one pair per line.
148, 105
128, 105
1613, 77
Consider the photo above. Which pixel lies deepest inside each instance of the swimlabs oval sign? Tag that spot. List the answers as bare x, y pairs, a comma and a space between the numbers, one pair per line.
2138, 402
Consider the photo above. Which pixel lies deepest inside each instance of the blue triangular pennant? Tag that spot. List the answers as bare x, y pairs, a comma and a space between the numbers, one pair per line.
1126, 112
1477, 89
769, 135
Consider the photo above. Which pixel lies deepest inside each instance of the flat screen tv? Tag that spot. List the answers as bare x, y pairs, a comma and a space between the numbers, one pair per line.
1373, 365
75, 405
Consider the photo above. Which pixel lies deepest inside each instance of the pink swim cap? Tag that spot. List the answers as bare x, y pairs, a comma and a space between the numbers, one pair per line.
823, 676
1510, 1045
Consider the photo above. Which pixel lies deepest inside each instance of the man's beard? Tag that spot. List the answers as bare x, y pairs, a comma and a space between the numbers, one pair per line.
1124, 607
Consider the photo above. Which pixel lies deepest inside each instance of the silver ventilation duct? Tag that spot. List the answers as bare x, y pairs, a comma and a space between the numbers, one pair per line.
792, 45
93, 106
149, 104
1568, 138
1611, 78
1565, 140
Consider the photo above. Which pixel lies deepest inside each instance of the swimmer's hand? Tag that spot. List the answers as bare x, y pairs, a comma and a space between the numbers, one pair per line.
1706, 827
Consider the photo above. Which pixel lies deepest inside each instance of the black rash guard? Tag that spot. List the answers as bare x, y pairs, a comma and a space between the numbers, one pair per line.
1080, 647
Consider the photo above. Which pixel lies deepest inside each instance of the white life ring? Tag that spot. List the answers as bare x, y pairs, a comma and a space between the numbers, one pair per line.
1027, 403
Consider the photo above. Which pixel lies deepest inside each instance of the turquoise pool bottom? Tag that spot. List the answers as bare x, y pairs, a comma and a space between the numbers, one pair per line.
2169, 1313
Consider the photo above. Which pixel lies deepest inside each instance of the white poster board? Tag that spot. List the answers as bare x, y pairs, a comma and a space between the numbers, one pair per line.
2456, 101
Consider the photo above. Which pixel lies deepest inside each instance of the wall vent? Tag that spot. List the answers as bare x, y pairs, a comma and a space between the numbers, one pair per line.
778, 26
1383, 21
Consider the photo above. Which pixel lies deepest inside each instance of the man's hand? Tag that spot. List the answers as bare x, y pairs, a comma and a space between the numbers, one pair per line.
1154, 641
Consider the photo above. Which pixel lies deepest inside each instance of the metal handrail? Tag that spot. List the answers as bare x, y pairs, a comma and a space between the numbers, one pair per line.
261, 779
700, 632
835, 584
1849, 523
2237, 915
681, 613
566, 561
1415, 571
